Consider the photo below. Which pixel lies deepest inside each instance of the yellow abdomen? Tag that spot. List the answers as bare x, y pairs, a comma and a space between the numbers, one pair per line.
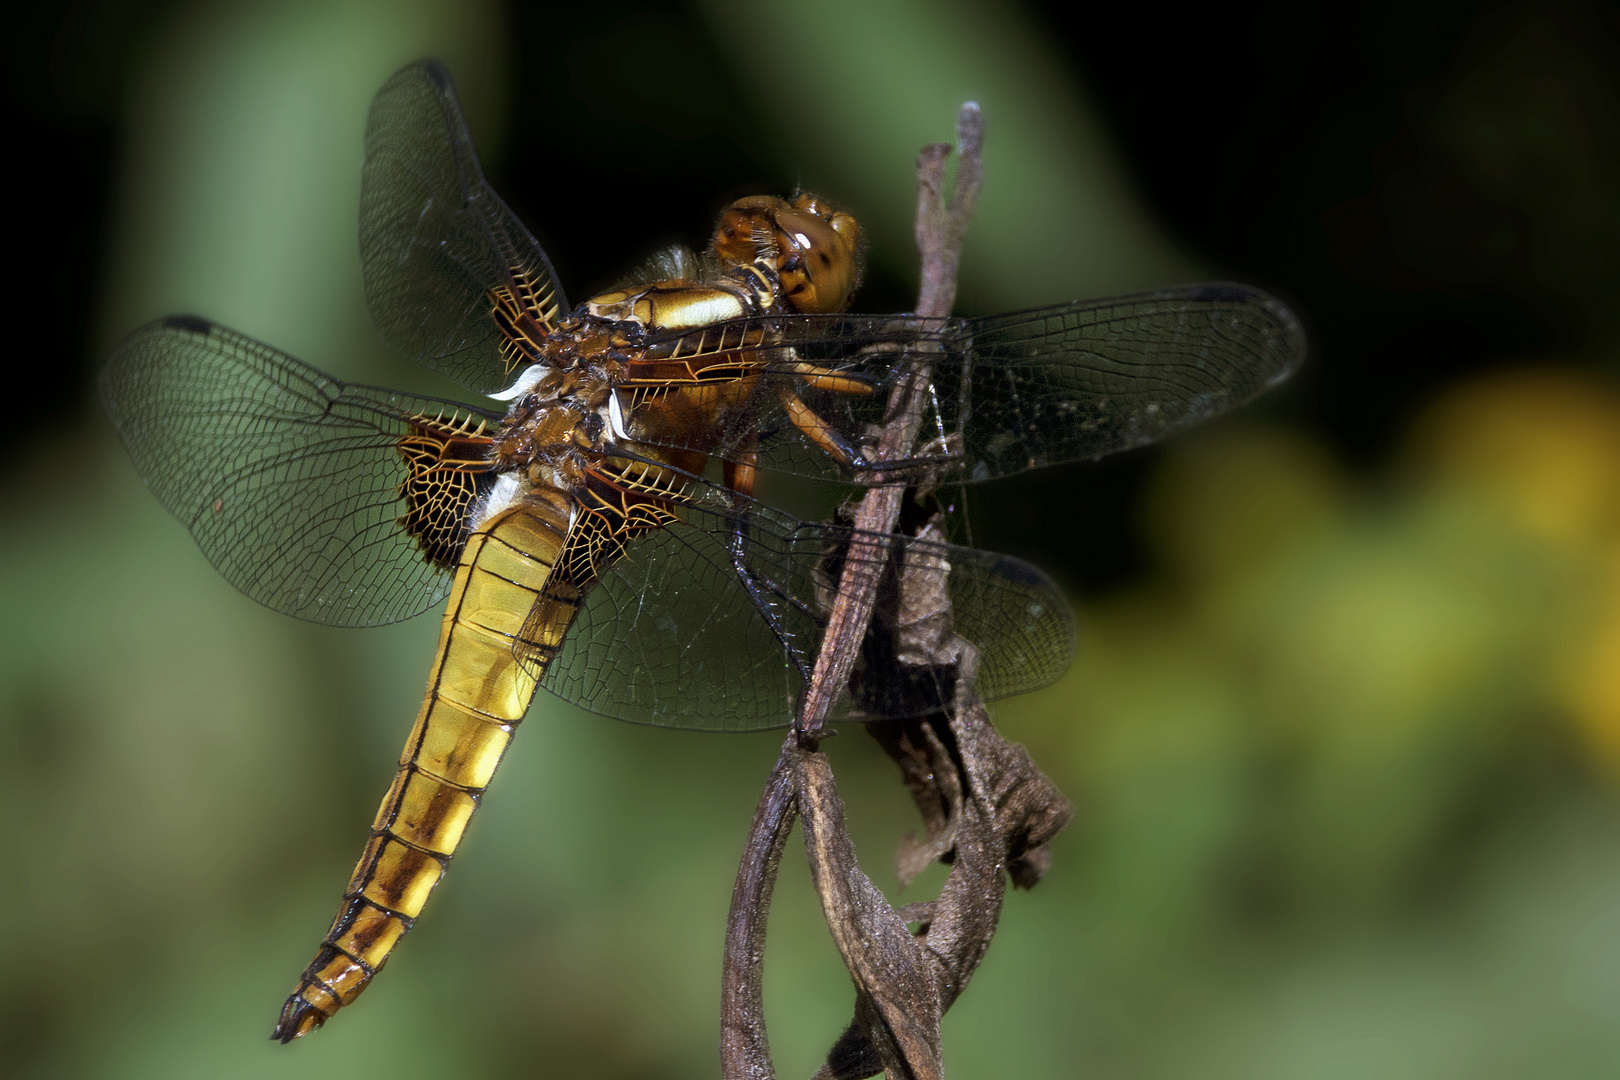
477, 693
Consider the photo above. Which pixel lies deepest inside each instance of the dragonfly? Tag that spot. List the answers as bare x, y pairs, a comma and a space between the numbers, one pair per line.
591, 525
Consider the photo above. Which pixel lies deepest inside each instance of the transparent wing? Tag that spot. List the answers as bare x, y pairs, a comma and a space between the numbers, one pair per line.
290, 481
1083, 380
1008, 392
435, 239
710, 622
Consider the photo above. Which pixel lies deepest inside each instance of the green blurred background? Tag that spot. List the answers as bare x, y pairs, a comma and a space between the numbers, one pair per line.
1344, 731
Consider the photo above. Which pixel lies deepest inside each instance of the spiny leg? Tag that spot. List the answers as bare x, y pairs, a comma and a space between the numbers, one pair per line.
739, 475
740, 472
820, 378
818, 431
766, 594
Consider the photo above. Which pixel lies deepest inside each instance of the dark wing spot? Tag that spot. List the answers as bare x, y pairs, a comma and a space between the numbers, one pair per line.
194, 323
1221, 292
1019, 571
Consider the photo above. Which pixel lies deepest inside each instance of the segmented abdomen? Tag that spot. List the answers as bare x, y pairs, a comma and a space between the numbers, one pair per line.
477, 693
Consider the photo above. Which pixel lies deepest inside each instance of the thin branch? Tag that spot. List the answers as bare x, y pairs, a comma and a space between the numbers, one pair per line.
940, 229
988, 810
745, 1052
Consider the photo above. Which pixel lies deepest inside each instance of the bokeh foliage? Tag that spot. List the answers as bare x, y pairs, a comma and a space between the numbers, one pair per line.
1345, 744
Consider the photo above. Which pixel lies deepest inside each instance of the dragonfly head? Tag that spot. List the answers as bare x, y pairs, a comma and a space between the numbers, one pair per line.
813, 250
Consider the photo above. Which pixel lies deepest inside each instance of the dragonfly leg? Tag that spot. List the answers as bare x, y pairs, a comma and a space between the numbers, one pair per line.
739, 472
820, 378
766, 595
818, 431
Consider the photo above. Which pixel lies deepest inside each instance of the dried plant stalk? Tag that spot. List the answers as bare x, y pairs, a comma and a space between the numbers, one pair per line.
987, 809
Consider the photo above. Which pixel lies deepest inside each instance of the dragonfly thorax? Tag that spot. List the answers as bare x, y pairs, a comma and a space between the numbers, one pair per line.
560, 416
682, 305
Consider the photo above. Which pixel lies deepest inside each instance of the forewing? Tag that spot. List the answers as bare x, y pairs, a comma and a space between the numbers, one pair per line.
290, 481
435, 239
1008, 392
709, 622
1083, 380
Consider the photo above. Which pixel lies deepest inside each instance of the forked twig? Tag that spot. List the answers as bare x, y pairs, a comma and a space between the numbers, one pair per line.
940, 231
986, 807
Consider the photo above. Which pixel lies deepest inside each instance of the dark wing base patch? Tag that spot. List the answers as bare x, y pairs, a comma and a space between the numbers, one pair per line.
292, 482
447, 470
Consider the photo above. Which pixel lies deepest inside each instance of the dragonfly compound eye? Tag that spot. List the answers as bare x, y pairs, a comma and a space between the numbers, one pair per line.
814, 249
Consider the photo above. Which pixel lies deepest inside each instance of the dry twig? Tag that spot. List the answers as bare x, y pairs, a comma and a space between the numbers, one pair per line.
987, 809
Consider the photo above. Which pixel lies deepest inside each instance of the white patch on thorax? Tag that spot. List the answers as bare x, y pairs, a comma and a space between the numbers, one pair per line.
525, 382
616, 416
501, 496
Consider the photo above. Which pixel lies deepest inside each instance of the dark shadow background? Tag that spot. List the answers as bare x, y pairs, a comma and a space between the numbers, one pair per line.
1305, 150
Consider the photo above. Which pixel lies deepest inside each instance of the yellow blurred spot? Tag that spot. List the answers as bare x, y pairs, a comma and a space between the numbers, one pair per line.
1379, 638
1592, 684
1544, 446
1233, 500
